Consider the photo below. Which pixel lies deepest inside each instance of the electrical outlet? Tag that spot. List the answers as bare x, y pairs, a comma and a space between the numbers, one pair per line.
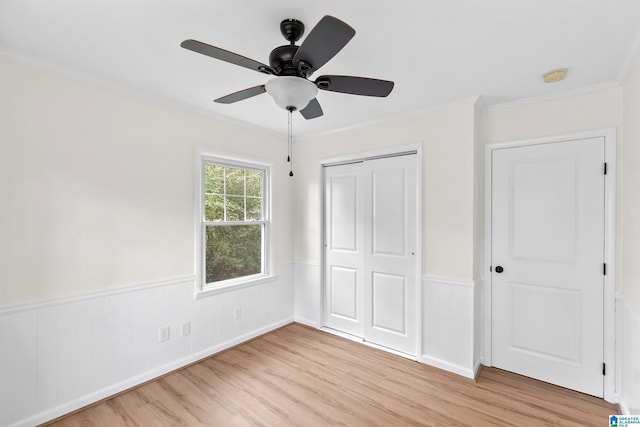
164, 334
185, 329
237, 313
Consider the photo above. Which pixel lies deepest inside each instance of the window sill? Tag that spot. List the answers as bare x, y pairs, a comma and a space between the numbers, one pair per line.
233, 285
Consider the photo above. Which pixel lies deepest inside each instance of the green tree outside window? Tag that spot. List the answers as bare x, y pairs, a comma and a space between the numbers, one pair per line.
234, 222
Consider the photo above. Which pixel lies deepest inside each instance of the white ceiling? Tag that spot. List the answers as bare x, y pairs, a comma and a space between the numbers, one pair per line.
436, 51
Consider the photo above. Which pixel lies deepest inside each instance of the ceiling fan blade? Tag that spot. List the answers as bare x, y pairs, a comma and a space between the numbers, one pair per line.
324, 41
355, 85
241, 94
225, 55
312, 110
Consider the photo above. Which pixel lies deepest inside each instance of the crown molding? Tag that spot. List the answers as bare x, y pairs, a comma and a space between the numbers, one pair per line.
469, 101
630, 60
73, 74
553, 96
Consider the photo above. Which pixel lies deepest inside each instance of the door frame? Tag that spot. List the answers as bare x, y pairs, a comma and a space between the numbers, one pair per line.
609, 328
371, 155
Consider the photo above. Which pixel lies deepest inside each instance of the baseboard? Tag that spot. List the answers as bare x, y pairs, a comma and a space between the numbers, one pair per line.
624, 410
307, 322
476, 370
137, 380
448, 366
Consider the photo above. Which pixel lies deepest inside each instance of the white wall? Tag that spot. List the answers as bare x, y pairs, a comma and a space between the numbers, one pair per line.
630, 236
98, 184
97, 242
479, 240
630, 180
591, 110
478, 194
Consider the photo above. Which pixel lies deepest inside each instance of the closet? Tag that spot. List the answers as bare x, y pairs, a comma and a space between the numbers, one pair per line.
370, 260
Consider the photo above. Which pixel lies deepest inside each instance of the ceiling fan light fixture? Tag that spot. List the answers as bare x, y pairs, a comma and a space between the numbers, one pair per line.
291, 92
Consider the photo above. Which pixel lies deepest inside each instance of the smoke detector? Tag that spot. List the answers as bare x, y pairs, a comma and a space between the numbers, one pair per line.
554, 76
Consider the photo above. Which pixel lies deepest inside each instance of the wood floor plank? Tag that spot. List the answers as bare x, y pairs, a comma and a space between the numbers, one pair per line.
299, 376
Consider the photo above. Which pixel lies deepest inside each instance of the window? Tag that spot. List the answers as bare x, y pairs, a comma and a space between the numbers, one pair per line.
234, 223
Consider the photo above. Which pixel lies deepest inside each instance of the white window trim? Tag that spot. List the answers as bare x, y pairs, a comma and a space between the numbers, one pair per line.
203, 155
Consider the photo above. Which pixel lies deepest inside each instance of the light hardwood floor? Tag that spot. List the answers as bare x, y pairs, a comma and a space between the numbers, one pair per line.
300, 376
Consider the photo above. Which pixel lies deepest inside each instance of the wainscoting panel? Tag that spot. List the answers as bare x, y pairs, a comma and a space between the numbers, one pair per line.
628, 327
478, 325
18, 397
308, 294
58, 356
450, 328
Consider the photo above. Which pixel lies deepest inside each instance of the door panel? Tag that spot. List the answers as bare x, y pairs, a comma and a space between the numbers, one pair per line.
548, 236
545, 201
538, 308
389, 227
389, 303
344, 213
343, 255
344, 292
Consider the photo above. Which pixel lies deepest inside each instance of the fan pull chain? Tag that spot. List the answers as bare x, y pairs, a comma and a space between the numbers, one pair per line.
290, 142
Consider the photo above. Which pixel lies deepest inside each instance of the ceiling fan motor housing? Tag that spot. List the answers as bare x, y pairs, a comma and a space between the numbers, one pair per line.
281, 58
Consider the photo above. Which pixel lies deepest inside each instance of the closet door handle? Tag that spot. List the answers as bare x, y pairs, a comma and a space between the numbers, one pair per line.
499, 269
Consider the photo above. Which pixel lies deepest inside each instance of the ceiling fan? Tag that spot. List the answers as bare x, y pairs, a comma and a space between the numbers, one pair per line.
292, 65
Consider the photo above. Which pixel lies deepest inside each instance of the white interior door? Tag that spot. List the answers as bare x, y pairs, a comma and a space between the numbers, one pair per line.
370, 251
547, 262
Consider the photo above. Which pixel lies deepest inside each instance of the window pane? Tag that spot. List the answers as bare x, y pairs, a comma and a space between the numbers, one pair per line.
233, 251
214, 208
254, 209
254, 183
235, 208
213, 179
235, 181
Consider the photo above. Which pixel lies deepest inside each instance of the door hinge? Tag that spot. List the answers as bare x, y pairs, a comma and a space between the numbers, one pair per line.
605, 168
604, 369
604, 269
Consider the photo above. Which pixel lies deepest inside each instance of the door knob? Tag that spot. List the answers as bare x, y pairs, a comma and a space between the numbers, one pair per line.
499, 269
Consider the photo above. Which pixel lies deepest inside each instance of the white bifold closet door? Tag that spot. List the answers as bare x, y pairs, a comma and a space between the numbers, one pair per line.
370, 275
